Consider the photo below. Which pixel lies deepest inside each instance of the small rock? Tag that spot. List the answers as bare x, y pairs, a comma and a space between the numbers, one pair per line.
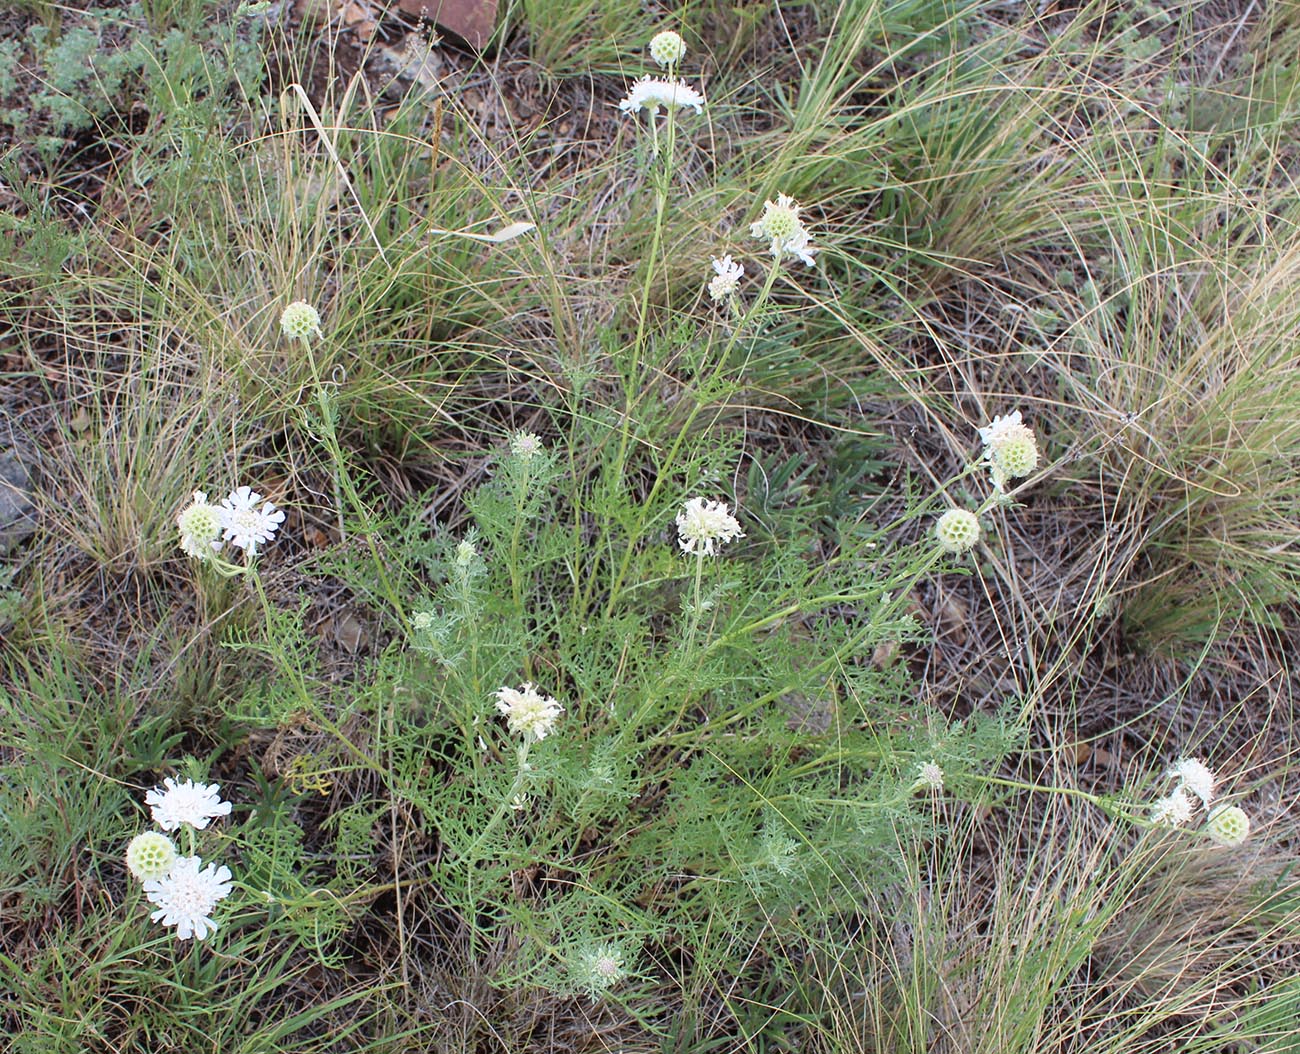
17, 510
471, 20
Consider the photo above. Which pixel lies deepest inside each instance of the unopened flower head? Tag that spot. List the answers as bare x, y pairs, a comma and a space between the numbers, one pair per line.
200, 526
1196, 777
1173, 810
1228, 825
957, 531
422, 621
150, 855
525, 445
653, 93
196, 804
598, 968
727, 278
247, 526
528, 712
186, 896
300, 320
667, 48
929, 776
782, 228
703, 525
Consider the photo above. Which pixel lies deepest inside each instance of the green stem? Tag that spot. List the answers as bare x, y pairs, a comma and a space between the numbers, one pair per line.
680, 437
344, 488
469, 853
516, 583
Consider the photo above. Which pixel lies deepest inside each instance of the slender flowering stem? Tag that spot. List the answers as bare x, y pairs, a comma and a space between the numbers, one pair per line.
516, 532
695, 603
1108, 806
330, 437
682, 433
470, 852
345, 488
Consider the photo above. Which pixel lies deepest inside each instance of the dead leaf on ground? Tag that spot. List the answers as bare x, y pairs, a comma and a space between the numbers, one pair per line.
348, 632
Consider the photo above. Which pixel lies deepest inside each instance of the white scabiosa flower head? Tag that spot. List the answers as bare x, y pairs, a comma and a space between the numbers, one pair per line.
726, 279
1228, 825
196, 804
703, 525
597, 969
929, 777
653, 94
150, 855
957, 531
300, 320
200, 527
667, 48
528, 712
247, 526
1194, 776
1001, 428
1011, 448
525, 445
1173, 810
186, 896
784, 231
465, 553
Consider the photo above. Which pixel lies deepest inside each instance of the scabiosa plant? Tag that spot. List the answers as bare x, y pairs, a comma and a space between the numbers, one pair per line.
667, 49
782, 228
957, 531
200, 526
726, 279
703, 525
528, 712
196, 804
150, 855
299, 321
1228, 825
245, 525
652, 94
186, 896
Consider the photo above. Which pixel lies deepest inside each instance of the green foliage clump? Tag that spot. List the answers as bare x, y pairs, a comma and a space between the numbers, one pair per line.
81, 76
